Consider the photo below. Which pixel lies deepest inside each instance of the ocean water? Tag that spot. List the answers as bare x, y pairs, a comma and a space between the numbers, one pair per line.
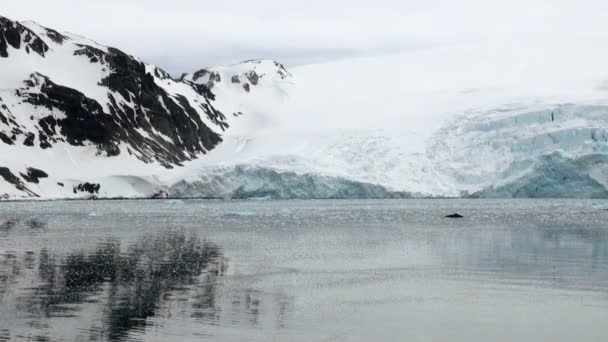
193, 270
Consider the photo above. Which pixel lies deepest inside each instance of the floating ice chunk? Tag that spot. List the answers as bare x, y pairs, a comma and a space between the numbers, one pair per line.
236, 214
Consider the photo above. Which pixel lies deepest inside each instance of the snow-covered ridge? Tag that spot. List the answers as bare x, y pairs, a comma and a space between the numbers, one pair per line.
246, 74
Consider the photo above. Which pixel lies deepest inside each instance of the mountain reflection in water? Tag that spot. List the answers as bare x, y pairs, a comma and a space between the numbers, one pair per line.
126, 285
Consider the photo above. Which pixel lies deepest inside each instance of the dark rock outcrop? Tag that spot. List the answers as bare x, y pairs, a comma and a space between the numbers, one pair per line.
6, 139
91, 188
253, 77
16, 181
85, 121
160, 195
33, 175
18, 36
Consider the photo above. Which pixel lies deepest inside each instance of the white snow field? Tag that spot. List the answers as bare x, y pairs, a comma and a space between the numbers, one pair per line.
486, 118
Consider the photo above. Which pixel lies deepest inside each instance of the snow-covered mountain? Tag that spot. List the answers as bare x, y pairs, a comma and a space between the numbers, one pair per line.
496, 119
74, 112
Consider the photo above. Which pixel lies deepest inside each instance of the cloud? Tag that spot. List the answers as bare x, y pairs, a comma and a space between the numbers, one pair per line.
182, 35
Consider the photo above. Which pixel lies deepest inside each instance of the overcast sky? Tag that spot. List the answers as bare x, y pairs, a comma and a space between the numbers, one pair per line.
184, 35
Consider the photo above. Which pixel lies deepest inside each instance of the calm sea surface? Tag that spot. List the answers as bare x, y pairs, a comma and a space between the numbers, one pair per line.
510, 270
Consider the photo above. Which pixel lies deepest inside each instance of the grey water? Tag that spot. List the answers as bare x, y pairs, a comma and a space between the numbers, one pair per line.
379, 270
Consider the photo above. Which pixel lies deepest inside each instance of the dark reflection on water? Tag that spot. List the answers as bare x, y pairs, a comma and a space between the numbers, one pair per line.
127, 285
8, 225
32, 225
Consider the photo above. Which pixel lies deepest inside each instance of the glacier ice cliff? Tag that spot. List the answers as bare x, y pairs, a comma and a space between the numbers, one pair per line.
555, 176
249, 182
553, 151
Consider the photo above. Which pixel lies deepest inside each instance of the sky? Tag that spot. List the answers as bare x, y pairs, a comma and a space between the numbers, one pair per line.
186, 35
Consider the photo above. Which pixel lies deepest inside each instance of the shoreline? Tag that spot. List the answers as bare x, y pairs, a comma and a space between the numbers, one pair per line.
217, 199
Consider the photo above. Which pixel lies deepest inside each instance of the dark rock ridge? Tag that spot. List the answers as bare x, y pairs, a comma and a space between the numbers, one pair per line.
142, 113
19, 37
11, 178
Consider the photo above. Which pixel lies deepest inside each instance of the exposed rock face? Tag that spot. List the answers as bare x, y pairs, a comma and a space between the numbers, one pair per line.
19, 37
33, 175
87, 187
85, 120
11, 178
210, 77
253, 77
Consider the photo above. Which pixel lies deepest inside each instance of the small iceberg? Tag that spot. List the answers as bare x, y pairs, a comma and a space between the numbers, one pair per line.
237, 214
600, 205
